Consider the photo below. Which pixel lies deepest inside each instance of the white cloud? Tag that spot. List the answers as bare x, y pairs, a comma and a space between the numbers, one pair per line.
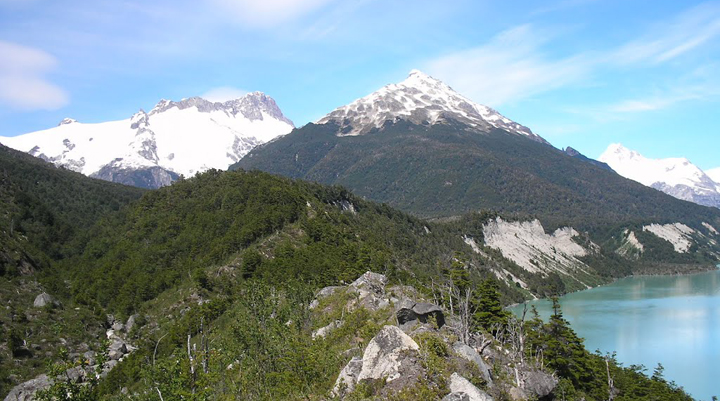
669, 40
223, 94
268, 13
23, 84
510, 67
515, 64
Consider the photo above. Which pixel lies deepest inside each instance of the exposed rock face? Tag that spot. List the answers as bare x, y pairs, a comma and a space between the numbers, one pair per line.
370, 290
538, 383
391, 356
462, 389
383, 355
411, 312
631, 247
148, 177
26, 391
43, 300
527, 244
469, 353
678, 234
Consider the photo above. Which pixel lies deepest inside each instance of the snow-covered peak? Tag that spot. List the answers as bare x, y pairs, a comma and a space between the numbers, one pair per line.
420, 98
183, 137
66, 121
676, 176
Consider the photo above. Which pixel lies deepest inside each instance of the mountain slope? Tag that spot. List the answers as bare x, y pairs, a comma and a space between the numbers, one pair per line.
152, 149
44, 208
675, 176
448, 167
714, 174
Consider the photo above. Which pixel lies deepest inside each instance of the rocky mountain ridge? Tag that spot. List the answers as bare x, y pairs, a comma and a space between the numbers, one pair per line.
152, 149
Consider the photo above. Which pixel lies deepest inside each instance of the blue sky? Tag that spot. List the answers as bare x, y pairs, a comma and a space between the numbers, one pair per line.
580, 73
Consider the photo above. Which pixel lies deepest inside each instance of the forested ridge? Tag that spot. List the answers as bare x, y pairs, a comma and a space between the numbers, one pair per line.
218, 273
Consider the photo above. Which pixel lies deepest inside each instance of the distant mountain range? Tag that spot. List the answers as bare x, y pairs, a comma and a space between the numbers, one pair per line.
152, 149
674, 176
424, 148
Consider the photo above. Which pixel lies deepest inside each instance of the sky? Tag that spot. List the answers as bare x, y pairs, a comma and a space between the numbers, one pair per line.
580, 73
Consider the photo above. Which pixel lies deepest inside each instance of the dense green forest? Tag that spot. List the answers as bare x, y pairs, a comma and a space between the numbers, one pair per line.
43, 209
450, 169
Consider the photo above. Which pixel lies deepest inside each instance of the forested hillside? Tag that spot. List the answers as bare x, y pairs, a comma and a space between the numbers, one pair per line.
43, 209
450, 169
217, 279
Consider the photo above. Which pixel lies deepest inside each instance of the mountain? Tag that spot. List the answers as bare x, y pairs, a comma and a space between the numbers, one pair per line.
153, 149
419, 99
675, 176
714, 174
421, 147
572, 152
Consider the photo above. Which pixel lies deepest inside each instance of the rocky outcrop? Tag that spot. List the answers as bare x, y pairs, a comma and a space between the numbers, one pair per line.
26, 391
462, 389
411, 313
470, 354
391, 356
370, 291
538, 383
44, 300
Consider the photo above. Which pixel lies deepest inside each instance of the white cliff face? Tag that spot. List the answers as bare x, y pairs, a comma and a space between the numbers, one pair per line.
419, 99
183, 137
677, 177
678, 234
631, 247
527, 244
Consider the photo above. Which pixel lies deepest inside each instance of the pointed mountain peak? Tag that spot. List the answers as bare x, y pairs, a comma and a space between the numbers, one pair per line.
66, 121
420, 99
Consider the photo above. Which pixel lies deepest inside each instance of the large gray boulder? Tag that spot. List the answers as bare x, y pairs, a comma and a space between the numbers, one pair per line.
538, 382
26, 391
462, 390
411, 312
469, 353
383, 356
43, 300
391, 357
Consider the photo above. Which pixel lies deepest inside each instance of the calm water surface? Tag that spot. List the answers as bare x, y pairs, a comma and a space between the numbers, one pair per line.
674, 320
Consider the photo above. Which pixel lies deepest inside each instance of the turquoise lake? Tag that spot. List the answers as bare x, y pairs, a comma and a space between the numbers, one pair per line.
673, 320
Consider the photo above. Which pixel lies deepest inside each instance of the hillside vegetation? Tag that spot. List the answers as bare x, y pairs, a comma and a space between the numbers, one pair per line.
450, 169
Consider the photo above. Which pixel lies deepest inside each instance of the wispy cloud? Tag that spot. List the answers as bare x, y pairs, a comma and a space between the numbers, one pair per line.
223, 94
520, 62
512, 66
23, 82
666, 41
268, 13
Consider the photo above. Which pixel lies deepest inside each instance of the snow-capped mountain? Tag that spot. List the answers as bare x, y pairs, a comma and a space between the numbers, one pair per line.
675, 176
151, 149
714, 174
419, 99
